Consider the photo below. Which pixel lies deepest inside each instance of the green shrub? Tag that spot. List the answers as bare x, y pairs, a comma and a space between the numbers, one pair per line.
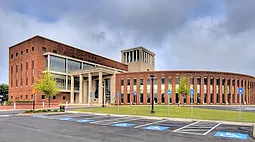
35, 111
55, 110
39, 110
44, 110
62, 110
27, 111
49, 110
30, 110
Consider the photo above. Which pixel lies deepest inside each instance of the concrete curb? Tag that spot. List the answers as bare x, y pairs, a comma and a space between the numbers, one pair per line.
172, 119
32, 114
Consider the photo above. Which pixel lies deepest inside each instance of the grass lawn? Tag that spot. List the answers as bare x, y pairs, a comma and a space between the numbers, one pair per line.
176, 112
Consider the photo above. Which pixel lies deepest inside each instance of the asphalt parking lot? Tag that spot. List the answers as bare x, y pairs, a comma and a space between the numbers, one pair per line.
196, 130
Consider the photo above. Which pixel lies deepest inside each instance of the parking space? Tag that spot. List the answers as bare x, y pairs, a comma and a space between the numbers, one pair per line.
201, 128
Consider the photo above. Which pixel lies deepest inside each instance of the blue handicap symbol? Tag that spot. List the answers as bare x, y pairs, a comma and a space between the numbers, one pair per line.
123, 125
158, 128
66, 119
240, 90
191, 92
231, 135
84, 121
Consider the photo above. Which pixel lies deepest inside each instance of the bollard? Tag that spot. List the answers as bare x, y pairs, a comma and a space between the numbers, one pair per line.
43, 104
66, 103
4, 103
253, 131
14, 106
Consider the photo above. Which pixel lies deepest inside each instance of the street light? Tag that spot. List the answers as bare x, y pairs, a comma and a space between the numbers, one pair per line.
152, 105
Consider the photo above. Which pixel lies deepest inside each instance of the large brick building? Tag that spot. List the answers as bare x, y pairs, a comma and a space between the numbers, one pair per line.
80, 73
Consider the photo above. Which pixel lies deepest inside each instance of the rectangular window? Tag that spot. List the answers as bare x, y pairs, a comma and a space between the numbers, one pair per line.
128, 81
138, 55
26, 97
43, 49
73, 66
11, 76
12, 56
17, 76
155, 81
21, 53
148, 81
198, 81
20, 97
60, 81
134, 81
33, 49
43, 97
162, 81
54, 97
170, 81
191, 80
122, 98
64, 98
177, 80
11, 97
54, 51
141, 81
141, 98
17, 54
26, 50
33, 72
148, 98
21, 74
27, 73
122, 82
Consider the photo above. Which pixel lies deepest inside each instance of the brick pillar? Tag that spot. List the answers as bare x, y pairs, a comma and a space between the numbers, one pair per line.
235, 91
208, 98
214, 90
202, 90
220, 90
131, 89
174, 90
244, 91
230, 91
159, 88
166, 89
125, 89
188, 85
226, 89
195, 89
144, 89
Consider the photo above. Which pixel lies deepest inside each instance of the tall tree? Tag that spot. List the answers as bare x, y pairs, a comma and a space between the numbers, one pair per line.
4, 91
183, 88
47, 85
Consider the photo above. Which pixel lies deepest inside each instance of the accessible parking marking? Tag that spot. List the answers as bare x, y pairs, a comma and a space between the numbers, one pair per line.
122, 121
231, 135
123, 125
150, 123
157, 128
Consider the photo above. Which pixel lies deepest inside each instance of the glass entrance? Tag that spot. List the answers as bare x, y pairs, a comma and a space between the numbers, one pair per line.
107, 91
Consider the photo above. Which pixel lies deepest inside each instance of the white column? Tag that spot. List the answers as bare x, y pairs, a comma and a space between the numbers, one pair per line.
80, 90
136, 54
100, 85
85, 92
90, 87
48, 68
72, 90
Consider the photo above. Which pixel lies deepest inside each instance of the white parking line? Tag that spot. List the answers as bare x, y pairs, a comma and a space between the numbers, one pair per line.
150, 123
211, 129
4, 115
186, 126
95, 122
122, 121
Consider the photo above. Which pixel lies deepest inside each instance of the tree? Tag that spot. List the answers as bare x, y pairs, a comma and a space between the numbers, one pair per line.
4, 91
183, 88
47, 85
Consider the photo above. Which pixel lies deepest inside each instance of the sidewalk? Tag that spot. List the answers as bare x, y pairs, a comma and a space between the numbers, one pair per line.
171, 119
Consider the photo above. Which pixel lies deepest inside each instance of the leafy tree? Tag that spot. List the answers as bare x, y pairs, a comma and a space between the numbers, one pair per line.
183, 88
47, 85
4, 91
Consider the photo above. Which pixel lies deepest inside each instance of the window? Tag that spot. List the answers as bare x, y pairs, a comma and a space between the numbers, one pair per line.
64, 98
54, 51
138, 55
162, 81
43, 49
26, 97
57, 64
26, 50
12, 56
128, 98
141, 81
122, 98
60, 81
17, 54
199, 81
54, 97
177, 80
155, 97
141, 98
21, 53
73, 65
170, 81
43, 97
163, 97
32, 97
27, 73
33, 49
96, 88
134, 81
155, 81
17, 76
128, 81
148, 98
21, 74
21, 97
11, 76
122, 82
11, 97
191, 80
148, 81
33, 72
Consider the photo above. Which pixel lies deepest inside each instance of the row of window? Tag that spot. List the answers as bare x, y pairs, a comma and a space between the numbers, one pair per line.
33, 49
21, 73
177, 81
43, 97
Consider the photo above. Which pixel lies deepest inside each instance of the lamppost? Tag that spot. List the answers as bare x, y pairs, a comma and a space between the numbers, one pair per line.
152, 87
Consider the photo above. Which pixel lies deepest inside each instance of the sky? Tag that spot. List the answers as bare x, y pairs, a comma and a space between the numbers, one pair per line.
215, 35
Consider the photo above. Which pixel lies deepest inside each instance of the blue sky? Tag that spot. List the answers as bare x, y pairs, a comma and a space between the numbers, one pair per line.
184, 34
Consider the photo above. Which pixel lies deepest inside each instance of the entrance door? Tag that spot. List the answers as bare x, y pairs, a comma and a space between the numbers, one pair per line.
107, 91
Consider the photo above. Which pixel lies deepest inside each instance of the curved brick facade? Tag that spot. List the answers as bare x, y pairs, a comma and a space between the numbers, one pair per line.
210, 90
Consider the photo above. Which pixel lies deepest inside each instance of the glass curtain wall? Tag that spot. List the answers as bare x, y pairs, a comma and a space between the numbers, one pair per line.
57, 64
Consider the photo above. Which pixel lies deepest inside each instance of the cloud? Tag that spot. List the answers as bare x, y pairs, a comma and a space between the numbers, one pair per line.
191, 34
